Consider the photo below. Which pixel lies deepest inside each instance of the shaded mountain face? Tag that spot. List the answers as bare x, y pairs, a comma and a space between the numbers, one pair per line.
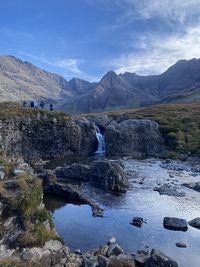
21, 80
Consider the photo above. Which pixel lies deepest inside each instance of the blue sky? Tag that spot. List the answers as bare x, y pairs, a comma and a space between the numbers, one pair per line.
87, 38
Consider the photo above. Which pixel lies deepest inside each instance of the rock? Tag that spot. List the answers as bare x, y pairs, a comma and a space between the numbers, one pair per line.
194, 186
77, 251
136, 138
175, 224
181, 244
2, 175
114, 250
92, 262
74, 172
67, 135
102, 261
18, 172
159, 259
103, 250
112, 241
169, 191
195, 223
122, 261
141, 259
137, 221
110, 175
53, 245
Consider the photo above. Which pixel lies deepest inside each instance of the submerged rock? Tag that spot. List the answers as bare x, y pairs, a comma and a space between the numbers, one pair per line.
175, 224
195, 223
169, 191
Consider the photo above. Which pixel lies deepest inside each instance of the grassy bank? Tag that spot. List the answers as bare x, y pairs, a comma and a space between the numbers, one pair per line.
179, 124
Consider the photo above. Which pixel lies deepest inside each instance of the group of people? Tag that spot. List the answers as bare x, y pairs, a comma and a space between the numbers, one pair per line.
36, 105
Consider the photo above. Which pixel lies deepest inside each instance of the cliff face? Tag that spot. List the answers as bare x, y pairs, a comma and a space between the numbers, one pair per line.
40, 136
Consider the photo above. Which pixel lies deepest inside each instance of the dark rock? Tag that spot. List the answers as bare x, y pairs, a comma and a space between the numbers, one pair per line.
74, 172
114, 250
74, 193
141, 259
169, 191
91, 262
122, 262
45, 136
137, 221
159, 259
175, 224
109, 174
195, 223
181, 244
137, 138
102, 261
194, 186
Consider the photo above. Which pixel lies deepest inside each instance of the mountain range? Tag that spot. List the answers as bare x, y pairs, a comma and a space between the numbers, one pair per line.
21, 80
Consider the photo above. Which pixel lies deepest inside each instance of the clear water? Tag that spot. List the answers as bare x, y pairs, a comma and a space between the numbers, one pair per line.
80, 230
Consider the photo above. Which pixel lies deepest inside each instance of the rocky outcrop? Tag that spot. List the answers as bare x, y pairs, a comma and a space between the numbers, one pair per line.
137, 138
43, 136
106, 174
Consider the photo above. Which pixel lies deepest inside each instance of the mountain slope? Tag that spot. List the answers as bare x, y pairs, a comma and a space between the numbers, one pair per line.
21, 80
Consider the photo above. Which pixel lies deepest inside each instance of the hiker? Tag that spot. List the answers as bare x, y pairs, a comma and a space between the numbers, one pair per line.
51, 107
32, 104
42, 104
36, 104
24, 103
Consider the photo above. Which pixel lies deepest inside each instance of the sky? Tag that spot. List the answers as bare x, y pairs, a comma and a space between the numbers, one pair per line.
87, 38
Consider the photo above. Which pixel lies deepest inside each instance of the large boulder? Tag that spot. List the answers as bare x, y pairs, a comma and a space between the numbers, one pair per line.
109, 174
137, 138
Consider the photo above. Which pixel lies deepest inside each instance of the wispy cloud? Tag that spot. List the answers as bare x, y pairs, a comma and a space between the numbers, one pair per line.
70, 67
157, 53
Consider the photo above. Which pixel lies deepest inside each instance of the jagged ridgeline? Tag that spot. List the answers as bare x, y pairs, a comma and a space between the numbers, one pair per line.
21, 80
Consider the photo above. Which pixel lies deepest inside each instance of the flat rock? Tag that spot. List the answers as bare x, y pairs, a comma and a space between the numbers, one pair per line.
175, 224
195, 223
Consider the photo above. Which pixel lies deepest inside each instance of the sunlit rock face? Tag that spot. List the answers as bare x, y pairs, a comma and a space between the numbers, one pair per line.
137, 138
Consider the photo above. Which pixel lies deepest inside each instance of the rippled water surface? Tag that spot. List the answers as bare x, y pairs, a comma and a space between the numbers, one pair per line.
82, 231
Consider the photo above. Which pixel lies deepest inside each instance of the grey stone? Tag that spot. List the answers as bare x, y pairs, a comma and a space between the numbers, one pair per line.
112, 241
159, 259
102, 261
2, 175
175, 224
114, 250
195, 223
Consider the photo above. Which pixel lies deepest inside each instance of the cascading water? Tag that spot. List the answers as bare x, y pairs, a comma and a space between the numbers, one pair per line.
101, 142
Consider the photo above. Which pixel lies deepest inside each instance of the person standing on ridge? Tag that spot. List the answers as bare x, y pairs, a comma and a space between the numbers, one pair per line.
32, 104
42, 104
51, 107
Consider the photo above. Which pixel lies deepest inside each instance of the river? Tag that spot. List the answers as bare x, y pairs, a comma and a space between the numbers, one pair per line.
82, 231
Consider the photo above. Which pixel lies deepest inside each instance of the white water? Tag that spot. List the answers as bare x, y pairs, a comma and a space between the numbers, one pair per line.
101, 142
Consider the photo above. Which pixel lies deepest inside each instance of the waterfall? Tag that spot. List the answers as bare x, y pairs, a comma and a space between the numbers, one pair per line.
101, 142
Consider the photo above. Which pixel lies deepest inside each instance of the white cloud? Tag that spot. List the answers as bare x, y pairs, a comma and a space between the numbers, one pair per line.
158, 53
70, 64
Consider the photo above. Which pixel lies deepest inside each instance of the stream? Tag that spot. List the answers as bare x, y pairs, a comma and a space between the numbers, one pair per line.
82, 231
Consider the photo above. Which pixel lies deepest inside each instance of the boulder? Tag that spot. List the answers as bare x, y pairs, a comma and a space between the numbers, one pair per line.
110, 175
159, 259
114, 250
75, 171
195, 223
175, 224
113, 240
194, 186
136, 138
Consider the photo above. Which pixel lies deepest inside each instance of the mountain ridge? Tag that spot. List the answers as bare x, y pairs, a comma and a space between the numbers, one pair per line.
21, 80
